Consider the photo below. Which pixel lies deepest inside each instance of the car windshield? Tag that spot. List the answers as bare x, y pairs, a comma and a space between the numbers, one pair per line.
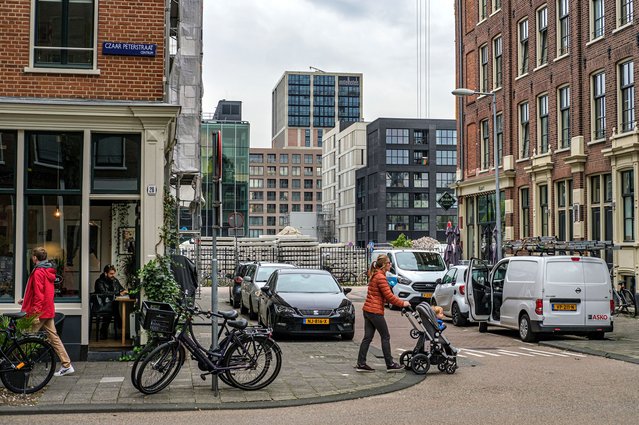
420, 261
307, 283
264, 272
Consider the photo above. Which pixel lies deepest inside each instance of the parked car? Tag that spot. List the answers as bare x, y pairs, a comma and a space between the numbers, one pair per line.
306, 301
416, 272
449, 295
256, 276
235, 286
557, 294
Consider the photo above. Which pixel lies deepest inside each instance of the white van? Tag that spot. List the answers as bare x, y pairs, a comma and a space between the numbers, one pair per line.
416, 271
534, 294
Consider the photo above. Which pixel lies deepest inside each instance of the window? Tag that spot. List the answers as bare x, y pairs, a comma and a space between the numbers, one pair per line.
396, 136
256, 208
318, 159
625, 12
442, 221
523, 47
256, 183
270, 221
524, 131
318, 184
283, 183
307, 138
497, 63
420, 137
284, 171
543, 209
271, 183
564, 210
320, 135
308, 159
308, 183
627, 95
563, 38
283, 208
296, 171
308, 207
420, 200
271, 158
420, 157
256, 158
420, 180
628, 197
599, 107
601, 207
500, 139
483, 68
308, 196
296, 184
444, 180
283, 158
296, 158
420, 222
597, 19
271, 196
397, 222
296, 196
485, 145
483, 10
524, 201
256, 171
542, 111
116, 163
396, 179
64, 32
446, 137
271, 170
397, 156
563, 124
446, 158
296, 208
256, 221
255, 233
256, 196
396, 200
496, 5
308, 171
542, 36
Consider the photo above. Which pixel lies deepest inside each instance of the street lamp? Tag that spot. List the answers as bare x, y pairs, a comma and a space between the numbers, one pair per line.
463, 92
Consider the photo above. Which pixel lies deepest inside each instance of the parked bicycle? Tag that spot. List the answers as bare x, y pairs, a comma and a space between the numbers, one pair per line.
625, 301
27, 362
247, 357
341, 275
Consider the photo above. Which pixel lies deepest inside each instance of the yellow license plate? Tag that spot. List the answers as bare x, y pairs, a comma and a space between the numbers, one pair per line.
564, 307
316, 321
427, 294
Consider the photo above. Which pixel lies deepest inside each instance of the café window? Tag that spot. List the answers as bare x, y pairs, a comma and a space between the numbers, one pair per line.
8, 146
54, 161
116, 163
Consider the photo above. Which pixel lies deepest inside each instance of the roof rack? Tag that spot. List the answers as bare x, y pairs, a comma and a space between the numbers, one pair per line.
549, 245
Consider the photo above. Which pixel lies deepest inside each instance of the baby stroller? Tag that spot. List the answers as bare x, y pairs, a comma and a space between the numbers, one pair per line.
439, 351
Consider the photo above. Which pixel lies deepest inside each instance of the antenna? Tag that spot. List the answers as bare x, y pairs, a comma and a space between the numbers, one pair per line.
317, 69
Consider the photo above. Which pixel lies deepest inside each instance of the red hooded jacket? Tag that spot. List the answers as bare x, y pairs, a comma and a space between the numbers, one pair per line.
378, 291
38, 298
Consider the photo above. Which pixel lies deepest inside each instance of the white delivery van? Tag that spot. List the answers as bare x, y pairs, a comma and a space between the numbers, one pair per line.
534, 295
416, 271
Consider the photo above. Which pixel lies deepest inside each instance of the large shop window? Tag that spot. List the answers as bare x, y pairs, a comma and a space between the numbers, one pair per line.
115, 163
54, 161
7, 215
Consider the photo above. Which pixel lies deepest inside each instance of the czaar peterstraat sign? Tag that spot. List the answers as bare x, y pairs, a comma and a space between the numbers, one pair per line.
128, 49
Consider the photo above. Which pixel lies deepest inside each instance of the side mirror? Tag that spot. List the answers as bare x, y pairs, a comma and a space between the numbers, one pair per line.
347, 290
247, 279
266, 291
438, 281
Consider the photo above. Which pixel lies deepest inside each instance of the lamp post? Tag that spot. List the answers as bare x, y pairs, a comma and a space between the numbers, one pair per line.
463, 92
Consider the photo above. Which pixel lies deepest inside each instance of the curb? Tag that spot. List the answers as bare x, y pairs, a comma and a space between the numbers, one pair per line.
590, 351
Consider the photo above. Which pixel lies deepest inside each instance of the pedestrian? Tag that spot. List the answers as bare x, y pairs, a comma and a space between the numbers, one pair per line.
38, 301
107, 286
378, 293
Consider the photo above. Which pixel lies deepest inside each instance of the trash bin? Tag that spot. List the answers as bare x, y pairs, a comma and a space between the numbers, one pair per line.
58, 320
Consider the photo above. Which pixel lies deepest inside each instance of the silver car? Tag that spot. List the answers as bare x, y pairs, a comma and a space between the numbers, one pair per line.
256, 277
449, 295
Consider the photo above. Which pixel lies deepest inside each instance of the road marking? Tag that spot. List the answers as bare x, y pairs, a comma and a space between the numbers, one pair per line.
544, 353
516, 353
480, 352
468, 352
507, 353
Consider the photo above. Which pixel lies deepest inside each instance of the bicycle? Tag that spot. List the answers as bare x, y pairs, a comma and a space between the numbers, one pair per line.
247, 358
342, 275
625, 301
27, 362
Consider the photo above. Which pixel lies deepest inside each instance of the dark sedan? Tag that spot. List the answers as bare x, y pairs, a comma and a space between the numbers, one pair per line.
306, 301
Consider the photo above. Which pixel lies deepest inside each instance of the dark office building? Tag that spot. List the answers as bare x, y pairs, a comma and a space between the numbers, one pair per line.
228, 110
411, 164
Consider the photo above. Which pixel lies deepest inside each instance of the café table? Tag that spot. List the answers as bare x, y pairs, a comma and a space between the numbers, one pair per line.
123, 300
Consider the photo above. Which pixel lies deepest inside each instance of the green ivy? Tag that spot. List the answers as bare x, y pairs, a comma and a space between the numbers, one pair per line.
157, 281
132, 356
169, 231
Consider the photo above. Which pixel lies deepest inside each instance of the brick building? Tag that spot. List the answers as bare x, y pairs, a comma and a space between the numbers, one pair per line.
86, 119
563, 75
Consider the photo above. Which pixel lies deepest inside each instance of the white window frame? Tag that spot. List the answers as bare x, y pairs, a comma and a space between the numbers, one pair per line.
542, 28
498, 55
625, 6
543, 113
565, 89
597, 12
520, 109
561, 49
623, 125
483, 68
523, 47
596, 96
485, 144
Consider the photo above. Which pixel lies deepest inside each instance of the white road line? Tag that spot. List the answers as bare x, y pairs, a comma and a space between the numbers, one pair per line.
461, 355
507, 353
480, 352
571, 353
544, 353
517, 353
468, 352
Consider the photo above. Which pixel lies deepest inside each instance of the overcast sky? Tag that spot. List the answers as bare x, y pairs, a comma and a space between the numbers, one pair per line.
248, 44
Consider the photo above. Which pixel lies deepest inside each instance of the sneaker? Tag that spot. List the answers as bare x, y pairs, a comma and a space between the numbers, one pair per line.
364, 368
394, 368
65, 371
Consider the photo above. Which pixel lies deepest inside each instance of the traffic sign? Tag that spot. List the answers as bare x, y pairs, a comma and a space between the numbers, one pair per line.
446, 200
236, 220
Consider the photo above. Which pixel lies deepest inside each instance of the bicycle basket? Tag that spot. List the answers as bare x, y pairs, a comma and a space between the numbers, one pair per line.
158, 317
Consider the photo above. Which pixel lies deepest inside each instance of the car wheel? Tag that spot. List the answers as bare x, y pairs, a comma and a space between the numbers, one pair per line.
599, 335
525, 332
483, 327
348, 336
243, 309
458, 318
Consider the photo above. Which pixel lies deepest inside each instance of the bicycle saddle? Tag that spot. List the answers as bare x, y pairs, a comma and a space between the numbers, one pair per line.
231, 314
238, 324
16, 315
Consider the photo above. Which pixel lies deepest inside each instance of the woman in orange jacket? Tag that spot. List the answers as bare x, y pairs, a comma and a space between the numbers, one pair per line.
378, 293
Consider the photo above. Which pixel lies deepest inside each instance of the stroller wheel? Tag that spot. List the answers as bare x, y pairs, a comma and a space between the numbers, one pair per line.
414, 333
442, 367
451, 367
405, 359
420, 364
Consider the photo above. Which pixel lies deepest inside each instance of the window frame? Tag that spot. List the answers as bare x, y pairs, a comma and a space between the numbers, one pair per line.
598, 80
524, 130
626, 88
524, 206
563, 27
498, 71
485, 144
625, 12
542, 35
627, 206
543, 127
523, 55
563, 116
597, 19
483, 68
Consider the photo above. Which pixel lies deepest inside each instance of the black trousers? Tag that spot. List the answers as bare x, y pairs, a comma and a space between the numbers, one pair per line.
375, 322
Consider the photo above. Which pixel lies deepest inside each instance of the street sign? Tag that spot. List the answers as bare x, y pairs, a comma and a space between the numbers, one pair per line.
236, 220
446, 200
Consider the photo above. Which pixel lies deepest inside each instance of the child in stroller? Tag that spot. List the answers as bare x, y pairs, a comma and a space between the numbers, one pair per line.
439, 352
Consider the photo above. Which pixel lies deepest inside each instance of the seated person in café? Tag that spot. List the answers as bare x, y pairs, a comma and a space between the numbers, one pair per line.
108, 284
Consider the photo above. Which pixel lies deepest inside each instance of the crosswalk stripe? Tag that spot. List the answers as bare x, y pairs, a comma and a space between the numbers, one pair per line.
461, 355
517, 353
544, 353
480, 352
507, 353
468, 352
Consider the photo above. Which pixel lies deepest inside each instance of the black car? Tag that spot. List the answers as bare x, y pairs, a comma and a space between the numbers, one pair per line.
235, 286
306, 301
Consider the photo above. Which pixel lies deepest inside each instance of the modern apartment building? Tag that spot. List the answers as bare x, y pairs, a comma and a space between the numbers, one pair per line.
287, 177
410, 166
563, 74
343, 152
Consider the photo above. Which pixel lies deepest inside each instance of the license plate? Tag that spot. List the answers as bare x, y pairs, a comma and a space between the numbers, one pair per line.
564, 307
316, 321
427, 294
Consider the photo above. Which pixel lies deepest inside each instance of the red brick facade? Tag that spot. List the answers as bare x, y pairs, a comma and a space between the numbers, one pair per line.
120, 77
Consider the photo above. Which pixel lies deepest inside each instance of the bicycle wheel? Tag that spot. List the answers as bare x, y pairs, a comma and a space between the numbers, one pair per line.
254, 363
148, 348
160, 367
34, 362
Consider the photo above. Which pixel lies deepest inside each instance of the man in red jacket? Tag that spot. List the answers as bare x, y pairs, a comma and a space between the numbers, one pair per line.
38, 301
378, 293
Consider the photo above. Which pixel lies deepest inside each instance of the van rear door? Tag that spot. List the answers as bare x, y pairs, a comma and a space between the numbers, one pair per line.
598, 292
478, 290
564, 292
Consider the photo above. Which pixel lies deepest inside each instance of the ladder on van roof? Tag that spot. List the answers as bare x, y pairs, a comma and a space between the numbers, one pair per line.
549, 245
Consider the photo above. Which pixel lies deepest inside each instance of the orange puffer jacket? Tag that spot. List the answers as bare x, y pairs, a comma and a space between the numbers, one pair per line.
378, 291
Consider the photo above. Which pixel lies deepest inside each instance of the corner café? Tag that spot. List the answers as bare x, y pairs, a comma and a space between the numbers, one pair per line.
85, 180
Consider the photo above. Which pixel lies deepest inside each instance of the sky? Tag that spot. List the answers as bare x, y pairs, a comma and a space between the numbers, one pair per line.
249, 44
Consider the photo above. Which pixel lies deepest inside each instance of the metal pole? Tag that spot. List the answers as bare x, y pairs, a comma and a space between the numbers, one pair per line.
214, 281
497, 194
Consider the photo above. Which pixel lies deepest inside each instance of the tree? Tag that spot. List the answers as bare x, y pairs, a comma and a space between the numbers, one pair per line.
402, 242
